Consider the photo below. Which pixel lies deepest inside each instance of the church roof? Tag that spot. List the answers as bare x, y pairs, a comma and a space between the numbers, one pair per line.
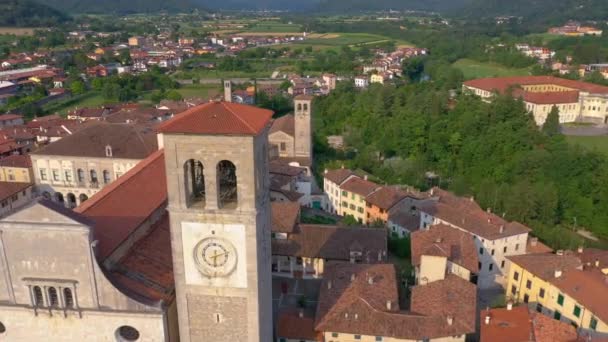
221, 118
285, 124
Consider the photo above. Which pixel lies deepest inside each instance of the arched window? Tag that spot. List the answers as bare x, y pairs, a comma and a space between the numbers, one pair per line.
299, 107
59, 197
195, 182
106, 176
2, 328
80, 173
226, 178
53, 298
93, 176
306, 106
127, 333
68, 298
83, 197
71, 200
46, 195
38, 298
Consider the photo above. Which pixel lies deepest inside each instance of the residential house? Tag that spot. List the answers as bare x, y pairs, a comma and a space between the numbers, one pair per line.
15, 195
361, 82
10, 120
354, 192
16, 168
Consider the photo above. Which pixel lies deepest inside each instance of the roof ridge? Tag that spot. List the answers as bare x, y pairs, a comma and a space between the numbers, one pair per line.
92, 202
225, 104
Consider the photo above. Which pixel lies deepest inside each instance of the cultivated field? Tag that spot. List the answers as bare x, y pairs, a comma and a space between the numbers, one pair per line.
18, 31
473, 69
597, 143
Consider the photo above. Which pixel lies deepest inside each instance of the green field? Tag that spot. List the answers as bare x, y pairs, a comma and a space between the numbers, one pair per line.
202, 91
473, 69
545, 38
595, 143
91, 99
335, 39
263, 26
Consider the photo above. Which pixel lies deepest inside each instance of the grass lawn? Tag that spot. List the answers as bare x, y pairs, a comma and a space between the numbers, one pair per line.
202, 91
473, 69
90, 99
333, 39
545, 38
264, 26
18, 31
598, 143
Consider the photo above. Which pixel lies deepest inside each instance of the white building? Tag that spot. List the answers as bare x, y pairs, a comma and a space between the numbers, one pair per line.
361, 82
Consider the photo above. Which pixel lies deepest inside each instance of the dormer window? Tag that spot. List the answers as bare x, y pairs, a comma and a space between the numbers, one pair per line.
108, 151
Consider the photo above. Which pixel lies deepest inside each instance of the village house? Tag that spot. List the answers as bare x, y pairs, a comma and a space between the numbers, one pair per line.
10, 120
16, 168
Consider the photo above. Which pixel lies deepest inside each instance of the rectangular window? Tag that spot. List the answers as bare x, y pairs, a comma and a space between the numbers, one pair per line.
344, 193
360, 210
513, 289
526, 298
357, 337
560, 299
68, 175
352, 207
528, 284
577, 311
504, 250
593, 323
492, 252
480, 251
334, 334
491, 267
557, 315
479, 265
43, 174
502, 264
378, 338
55, 173
283, 146
345, 205
539, 307
516, 276
516, 247
541, 293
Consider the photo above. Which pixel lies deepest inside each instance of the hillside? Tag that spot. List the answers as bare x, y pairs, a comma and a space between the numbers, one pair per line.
547, 11
366, 5
27, 13
121, 6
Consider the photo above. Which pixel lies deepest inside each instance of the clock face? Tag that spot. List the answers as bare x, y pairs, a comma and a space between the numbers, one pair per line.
215, 257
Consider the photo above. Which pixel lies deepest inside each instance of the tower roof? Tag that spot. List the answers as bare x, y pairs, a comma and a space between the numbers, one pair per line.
219, 118
304, 97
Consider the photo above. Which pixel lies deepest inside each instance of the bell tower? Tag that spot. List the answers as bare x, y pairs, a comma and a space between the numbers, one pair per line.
219, 205
302, 125
227, 91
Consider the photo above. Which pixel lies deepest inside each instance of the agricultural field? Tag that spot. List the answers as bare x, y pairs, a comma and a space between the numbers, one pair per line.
274, 27
597, 143
91, 99
18, 31
202, 91
473, 69
351, 39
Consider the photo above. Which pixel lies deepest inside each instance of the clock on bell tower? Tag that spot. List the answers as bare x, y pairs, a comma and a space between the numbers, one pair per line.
219, 207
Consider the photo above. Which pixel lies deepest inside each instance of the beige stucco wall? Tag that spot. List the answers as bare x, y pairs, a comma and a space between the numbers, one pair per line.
345, 337
22, 198
432, 268
277, 138
18, 174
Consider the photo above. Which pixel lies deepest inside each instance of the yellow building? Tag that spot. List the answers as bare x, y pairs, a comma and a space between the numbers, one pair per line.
16, 168
558, 286
353, 194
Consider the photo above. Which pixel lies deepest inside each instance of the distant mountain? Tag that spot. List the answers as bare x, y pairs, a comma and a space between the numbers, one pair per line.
539, 10
122, 6
27, 13
291, 5
367, 5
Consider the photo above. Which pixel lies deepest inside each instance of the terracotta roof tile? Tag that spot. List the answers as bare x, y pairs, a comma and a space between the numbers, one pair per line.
8, 189
291, 326
386, 197
121, 207
588, 288
502, 83
219, 118
544, 266
338, 176
357, 305
359, 186
285, 216
521, 325
331, 242
441, 240
285, 124
534, 246
16, 160
591, 256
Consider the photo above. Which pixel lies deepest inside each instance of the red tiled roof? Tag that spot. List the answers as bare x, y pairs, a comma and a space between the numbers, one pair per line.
285, 216
357, 305
359, 186
147, 268
285, 124
520, 325
291, 326
544, 266
6, 117
219, 118
441, 240
386, 197
338, 176
16, 160
8, 189
588, 288
501, 84
591, 256
121, 207
556, 97
534, 246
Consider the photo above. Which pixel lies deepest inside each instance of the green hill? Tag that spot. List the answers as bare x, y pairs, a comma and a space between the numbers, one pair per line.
547, 11
122, 6
27, 13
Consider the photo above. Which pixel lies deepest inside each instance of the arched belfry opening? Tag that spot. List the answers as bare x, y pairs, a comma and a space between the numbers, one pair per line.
227, 185
195, 183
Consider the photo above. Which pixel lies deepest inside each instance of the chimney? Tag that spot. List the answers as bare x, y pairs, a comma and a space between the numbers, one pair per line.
560, 252
329, 284
301, 314
353, 277
450, 319
432, 191
472, 198
597, 263
579, 249
370, 280
509, 305
326, 171
533, 241
438, 240
365, 177
557, 273
342, 167
487, 319
489, 210
502, 229
389, 305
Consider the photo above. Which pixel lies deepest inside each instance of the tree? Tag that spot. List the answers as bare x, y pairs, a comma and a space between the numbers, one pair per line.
551, 126
77, 87
173, 95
